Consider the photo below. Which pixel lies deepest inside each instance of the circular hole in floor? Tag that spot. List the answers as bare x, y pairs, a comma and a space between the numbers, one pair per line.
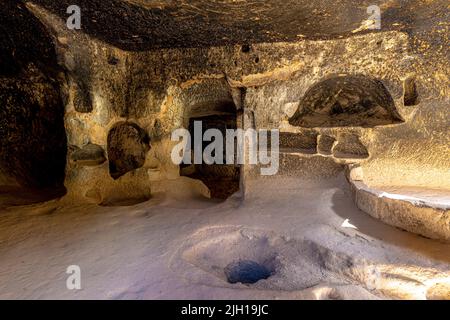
246, 271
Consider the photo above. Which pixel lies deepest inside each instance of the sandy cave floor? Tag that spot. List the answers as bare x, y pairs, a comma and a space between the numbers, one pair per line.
176, 246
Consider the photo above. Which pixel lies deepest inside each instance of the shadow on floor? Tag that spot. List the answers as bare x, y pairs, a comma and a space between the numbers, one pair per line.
19, 196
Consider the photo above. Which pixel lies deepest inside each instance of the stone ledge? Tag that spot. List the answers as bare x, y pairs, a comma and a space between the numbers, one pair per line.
411, 211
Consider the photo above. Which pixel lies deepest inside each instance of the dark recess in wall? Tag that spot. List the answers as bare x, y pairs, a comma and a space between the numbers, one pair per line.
342, 101
221, 179
127, 147
32, 134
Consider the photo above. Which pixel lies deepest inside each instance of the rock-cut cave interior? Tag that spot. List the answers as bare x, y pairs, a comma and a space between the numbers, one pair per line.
354, 119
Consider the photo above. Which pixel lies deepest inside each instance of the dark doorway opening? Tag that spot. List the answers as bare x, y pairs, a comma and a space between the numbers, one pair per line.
221, 179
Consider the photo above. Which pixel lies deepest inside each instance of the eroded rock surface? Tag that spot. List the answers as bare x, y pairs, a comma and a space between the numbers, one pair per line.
89, 155
32, 134
94, 109
127, 148
346, 101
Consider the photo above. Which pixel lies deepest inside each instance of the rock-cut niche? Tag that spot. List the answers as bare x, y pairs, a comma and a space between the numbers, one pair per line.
128, 145
342, 101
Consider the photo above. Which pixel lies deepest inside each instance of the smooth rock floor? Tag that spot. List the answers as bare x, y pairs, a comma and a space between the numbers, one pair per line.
173, 247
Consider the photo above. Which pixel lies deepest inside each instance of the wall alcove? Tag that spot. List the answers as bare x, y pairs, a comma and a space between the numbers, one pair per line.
343, 101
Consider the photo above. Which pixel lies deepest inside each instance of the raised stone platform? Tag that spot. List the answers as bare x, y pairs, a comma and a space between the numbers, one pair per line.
420, 210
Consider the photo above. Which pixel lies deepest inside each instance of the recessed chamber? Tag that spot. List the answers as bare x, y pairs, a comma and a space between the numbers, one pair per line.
343, 101
127, 147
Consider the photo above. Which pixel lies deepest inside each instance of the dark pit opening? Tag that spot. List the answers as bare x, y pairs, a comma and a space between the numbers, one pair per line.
246, 272
246, 48
128, 145
342, 101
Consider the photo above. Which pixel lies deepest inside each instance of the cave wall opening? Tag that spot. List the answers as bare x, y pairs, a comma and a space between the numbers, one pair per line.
32, 134
212, 106
128, 145
221, 179
342, 101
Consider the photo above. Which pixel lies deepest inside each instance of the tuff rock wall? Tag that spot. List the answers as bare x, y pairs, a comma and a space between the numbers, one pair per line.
121, 106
